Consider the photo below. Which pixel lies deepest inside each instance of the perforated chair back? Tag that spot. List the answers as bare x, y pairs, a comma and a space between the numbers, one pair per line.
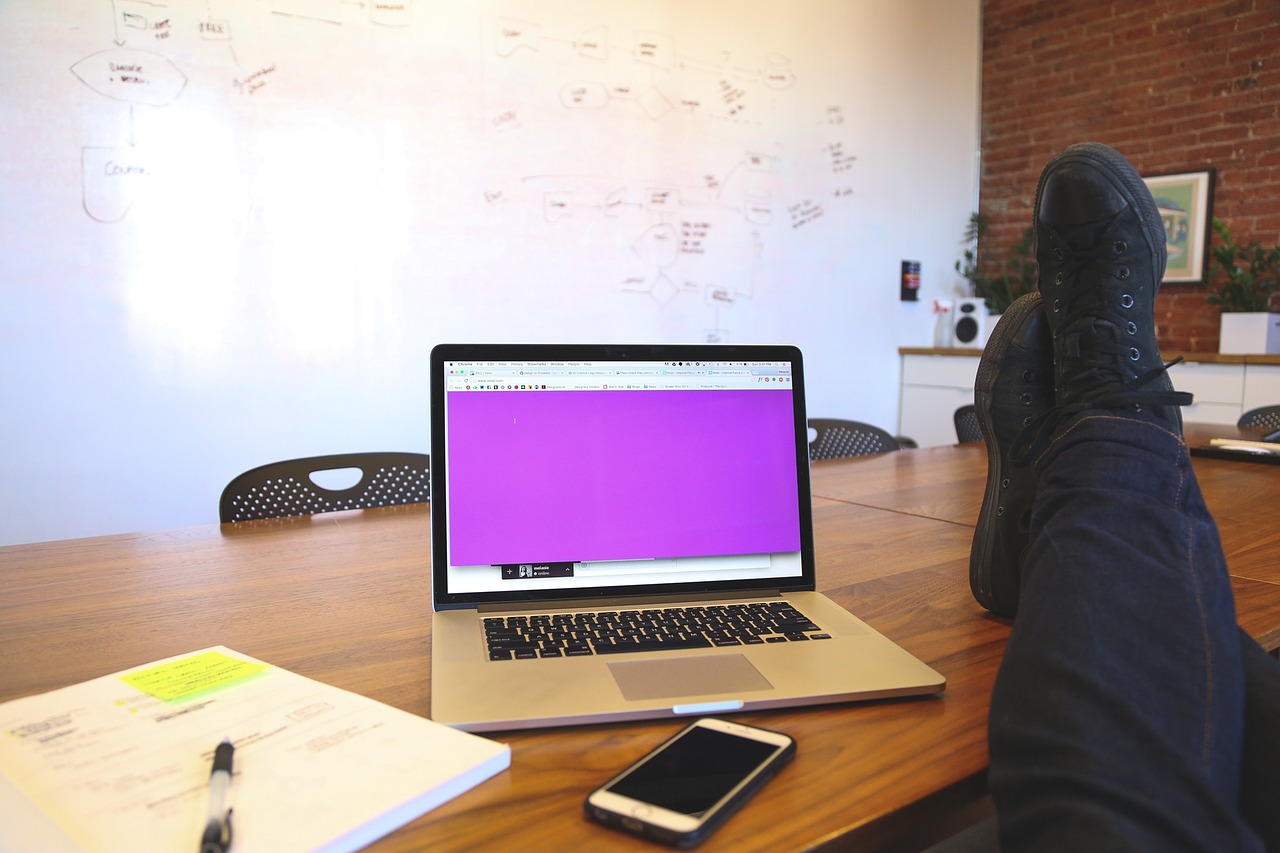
287, 488
966, 421
1266, 417
838, 438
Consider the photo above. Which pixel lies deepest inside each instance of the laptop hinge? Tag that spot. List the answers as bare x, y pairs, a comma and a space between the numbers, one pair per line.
625, 601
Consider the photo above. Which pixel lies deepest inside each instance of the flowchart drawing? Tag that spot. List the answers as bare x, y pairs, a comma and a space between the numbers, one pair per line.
113, 178
132, 76
673, 113
114, 175
620, 80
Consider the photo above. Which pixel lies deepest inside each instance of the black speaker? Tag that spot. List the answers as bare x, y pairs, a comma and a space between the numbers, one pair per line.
968, 322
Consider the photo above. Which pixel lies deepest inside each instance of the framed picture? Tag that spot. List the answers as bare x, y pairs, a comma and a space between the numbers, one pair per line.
1184, 201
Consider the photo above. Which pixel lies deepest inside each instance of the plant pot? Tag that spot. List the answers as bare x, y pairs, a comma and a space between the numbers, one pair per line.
1249, 333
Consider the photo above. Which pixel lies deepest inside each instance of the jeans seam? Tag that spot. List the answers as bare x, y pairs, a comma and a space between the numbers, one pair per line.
1206, 753
1074, 424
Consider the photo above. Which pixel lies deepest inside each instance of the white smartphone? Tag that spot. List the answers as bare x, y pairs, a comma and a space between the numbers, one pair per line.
682, 790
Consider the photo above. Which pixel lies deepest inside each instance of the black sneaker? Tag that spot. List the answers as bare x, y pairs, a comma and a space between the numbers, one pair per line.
1100, 246
1014, 388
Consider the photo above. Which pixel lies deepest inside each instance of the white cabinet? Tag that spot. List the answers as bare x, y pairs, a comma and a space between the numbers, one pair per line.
1261, 385
1218, 390
1224, 391
937, 382
934, 385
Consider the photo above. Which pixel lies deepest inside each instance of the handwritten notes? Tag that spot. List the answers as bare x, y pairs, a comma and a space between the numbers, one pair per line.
189, 677
121, 762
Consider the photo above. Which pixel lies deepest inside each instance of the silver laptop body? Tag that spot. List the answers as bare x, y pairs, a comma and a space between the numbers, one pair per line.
581, 494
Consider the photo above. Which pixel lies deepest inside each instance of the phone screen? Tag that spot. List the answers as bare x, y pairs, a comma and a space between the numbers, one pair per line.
695, 771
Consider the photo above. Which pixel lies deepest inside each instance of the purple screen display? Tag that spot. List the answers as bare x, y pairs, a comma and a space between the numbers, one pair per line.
565, 476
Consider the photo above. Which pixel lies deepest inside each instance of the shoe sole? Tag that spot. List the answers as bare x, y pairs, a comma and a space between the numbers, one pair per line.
982, 582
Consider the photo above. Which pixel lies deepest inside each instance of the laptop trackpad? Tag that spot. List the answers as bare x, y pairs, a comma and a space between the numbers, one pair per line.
671, 677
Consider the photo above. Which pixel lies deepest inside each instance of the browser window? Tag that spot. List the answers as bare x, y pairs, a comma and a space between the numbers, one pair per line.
587, 474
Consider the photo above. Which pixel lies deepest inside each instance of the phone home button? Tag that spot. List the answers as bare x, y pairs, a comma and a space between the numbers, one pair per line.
641, 812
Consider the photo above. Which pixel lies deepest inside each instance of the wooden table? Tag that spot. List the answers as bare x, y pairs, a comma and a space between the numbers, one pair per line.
344, 598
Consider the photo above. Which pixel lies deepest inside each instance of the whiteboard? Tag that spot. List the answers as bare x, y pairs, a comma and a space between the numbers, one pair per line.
233, 229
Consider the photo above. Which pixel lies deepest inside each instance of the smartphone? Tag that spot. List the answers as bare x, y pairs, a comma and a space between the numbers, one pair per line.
682, 790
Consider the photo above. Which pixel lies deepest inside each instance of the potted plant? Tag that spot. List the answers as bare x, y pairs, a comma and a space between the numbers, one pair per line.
998, 280
1247, 279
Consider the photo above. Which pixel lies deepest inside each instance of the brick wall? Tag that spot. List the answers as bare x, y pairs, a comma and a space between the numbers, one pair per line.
1176, 86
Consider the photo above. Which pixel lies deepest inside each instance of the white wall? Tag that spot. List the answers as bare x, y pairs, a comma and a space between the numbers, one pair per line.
230, 233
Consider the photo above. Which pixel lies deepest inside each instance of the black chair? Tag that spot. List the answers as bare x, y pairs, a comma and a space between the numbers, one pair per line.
966, 421
837, 439
1265, 417
288, 488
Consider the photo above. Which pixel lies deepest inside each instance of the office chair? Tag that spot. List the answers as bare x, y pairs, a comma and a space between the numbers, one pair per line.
837, 439
966, 421
288, 488
1266, 417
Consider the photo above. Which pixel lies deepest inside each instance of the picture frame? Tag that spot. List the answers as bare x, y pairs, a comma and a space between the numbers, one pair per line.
1185, 200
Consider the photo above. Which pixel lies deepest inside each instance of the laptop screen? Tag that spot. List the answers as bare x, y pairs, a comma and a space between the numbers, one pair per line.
576, 471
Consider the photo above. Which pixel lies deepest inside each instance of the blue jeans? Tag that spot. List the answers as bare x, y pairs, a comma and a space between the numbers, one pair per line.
1130, 711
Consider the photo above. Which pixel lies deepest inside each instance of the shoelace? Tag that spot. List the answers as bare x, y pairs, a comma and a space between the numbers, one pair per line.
1095, 362
1035, 436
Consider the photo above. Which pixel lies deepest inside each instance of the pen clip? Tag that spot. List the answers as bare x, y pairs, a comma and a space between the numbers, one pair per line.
217, 835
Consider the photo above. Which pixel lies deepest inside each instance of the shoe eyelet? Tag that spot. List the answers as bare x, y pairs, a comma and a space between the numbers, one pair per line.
1119, 247
1027, 398
1027, 421
1122, 273
1058, 279
1134, 355
1059, 255
1004, 484
1057, 305
999, 510
1028, 376
1126, 301
1132, 328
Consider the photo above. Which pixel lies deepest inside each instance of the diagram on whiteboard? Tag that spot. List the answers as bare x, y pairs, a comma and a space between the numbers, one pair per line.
682, 167
136, 70
680, 156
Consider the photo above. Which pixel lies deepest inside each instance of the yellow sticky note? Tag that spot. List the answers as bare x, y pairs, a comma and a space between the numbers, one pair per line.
193, 675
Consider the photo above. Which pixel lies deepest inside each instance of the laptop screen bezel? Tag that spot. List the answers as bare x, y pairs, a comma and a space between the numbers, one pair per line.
444, 599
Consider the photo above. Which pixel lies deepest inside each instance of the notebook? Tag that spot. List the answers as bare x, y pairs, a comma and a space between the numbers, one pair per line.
625, 532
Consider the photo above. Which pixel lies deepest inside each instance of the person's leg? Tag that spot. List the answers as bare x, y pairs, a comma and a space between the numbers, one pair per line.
1119, 711
1117, 716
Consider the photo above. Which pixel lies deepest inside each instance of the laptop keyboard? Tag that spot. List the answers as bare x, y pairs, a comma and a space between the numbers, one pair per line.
622, 631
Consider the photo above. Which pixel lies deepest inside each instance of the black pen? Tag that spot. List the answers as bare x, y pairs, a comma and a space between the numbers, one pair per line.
217, 829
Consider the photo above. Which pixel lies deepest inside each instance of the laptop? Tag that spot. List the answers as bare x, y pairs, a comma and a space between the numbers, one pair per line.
625, 532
